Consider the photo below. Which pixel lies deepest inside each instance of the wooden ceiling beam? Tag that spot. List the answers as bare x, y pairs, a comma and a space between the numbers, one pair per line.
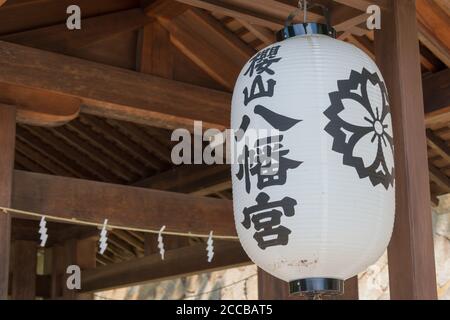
363, 4
190, 179
266, 13
155, 51
124, 206
205, 41
45, 13
439, 178
431, 20
436, 92
438, 145
177, 263
433, 25
167, 9
60, 39
111, 92
262, 33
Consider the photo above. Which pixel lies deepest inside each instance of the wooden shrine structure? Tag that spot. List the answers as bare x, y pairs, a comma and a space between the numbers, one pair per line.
86, 118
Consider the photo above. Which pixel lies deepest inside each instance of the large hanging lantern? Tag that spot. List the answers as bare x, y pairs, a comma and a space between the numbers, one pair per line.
314, 191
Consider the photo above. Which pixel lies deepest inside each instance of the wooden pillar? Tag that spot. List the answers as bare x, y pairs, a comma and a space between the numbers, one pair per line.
7, 142
73, 252
350, 289
271, 288
410, 253
24, 270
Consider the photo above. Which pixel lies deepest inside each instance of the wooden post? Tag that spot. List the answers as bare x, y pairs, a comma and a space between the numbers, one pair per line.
350, 289
72, 252
271, 288
410, 253
24, 270
7, 143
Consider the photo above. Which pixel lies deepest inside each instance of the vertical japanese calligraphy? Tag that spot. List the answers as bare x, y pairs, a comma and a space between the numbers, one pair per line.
266, 158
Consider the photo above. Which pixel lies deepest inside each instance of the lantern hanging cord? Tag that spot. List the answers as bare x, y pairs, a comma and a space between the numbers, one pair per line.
110, 226
302, 6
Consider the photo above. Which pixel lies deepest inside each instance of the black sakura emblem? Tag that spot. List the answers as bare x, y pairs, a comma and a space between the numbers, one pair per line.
361, 128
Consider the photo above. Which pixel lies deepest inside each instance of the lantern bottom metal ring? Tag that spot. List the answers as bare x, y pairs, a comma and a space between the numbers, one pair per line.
316, 287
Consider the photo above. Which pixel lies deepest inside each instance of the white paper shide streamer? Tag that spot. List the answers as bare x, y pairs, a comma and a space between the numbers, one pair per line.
210, 247
43, 231
161, 243
103, 238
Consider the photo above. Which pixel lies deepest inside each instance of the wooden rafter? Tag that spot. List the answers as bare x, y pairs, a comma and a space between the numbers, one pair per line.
266, 13
50, 12
436, 91
166, 9
433, 25
217, 51
363, 4
60, 39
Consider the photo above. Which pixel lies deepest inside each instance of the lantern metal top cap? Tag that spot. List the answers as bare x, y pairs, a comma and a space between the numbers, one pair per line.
301, 29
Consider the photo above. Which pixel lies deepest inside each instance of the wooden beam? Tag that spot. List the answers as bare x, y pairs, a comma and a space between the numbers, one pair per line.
24, 270
439, 178
411, 260
194, 179
177, 263
438, 145
2, 2
167, 9
155, 52
94, 201
216, 50
60, 39
267, 13
50, 12
7, 142
262, 33
433, 29
363, 4
436, 91
108, 91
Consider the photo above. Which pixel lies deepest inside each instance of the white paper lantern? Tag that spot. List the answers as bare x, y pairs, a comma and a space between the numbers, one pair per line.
326, 212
